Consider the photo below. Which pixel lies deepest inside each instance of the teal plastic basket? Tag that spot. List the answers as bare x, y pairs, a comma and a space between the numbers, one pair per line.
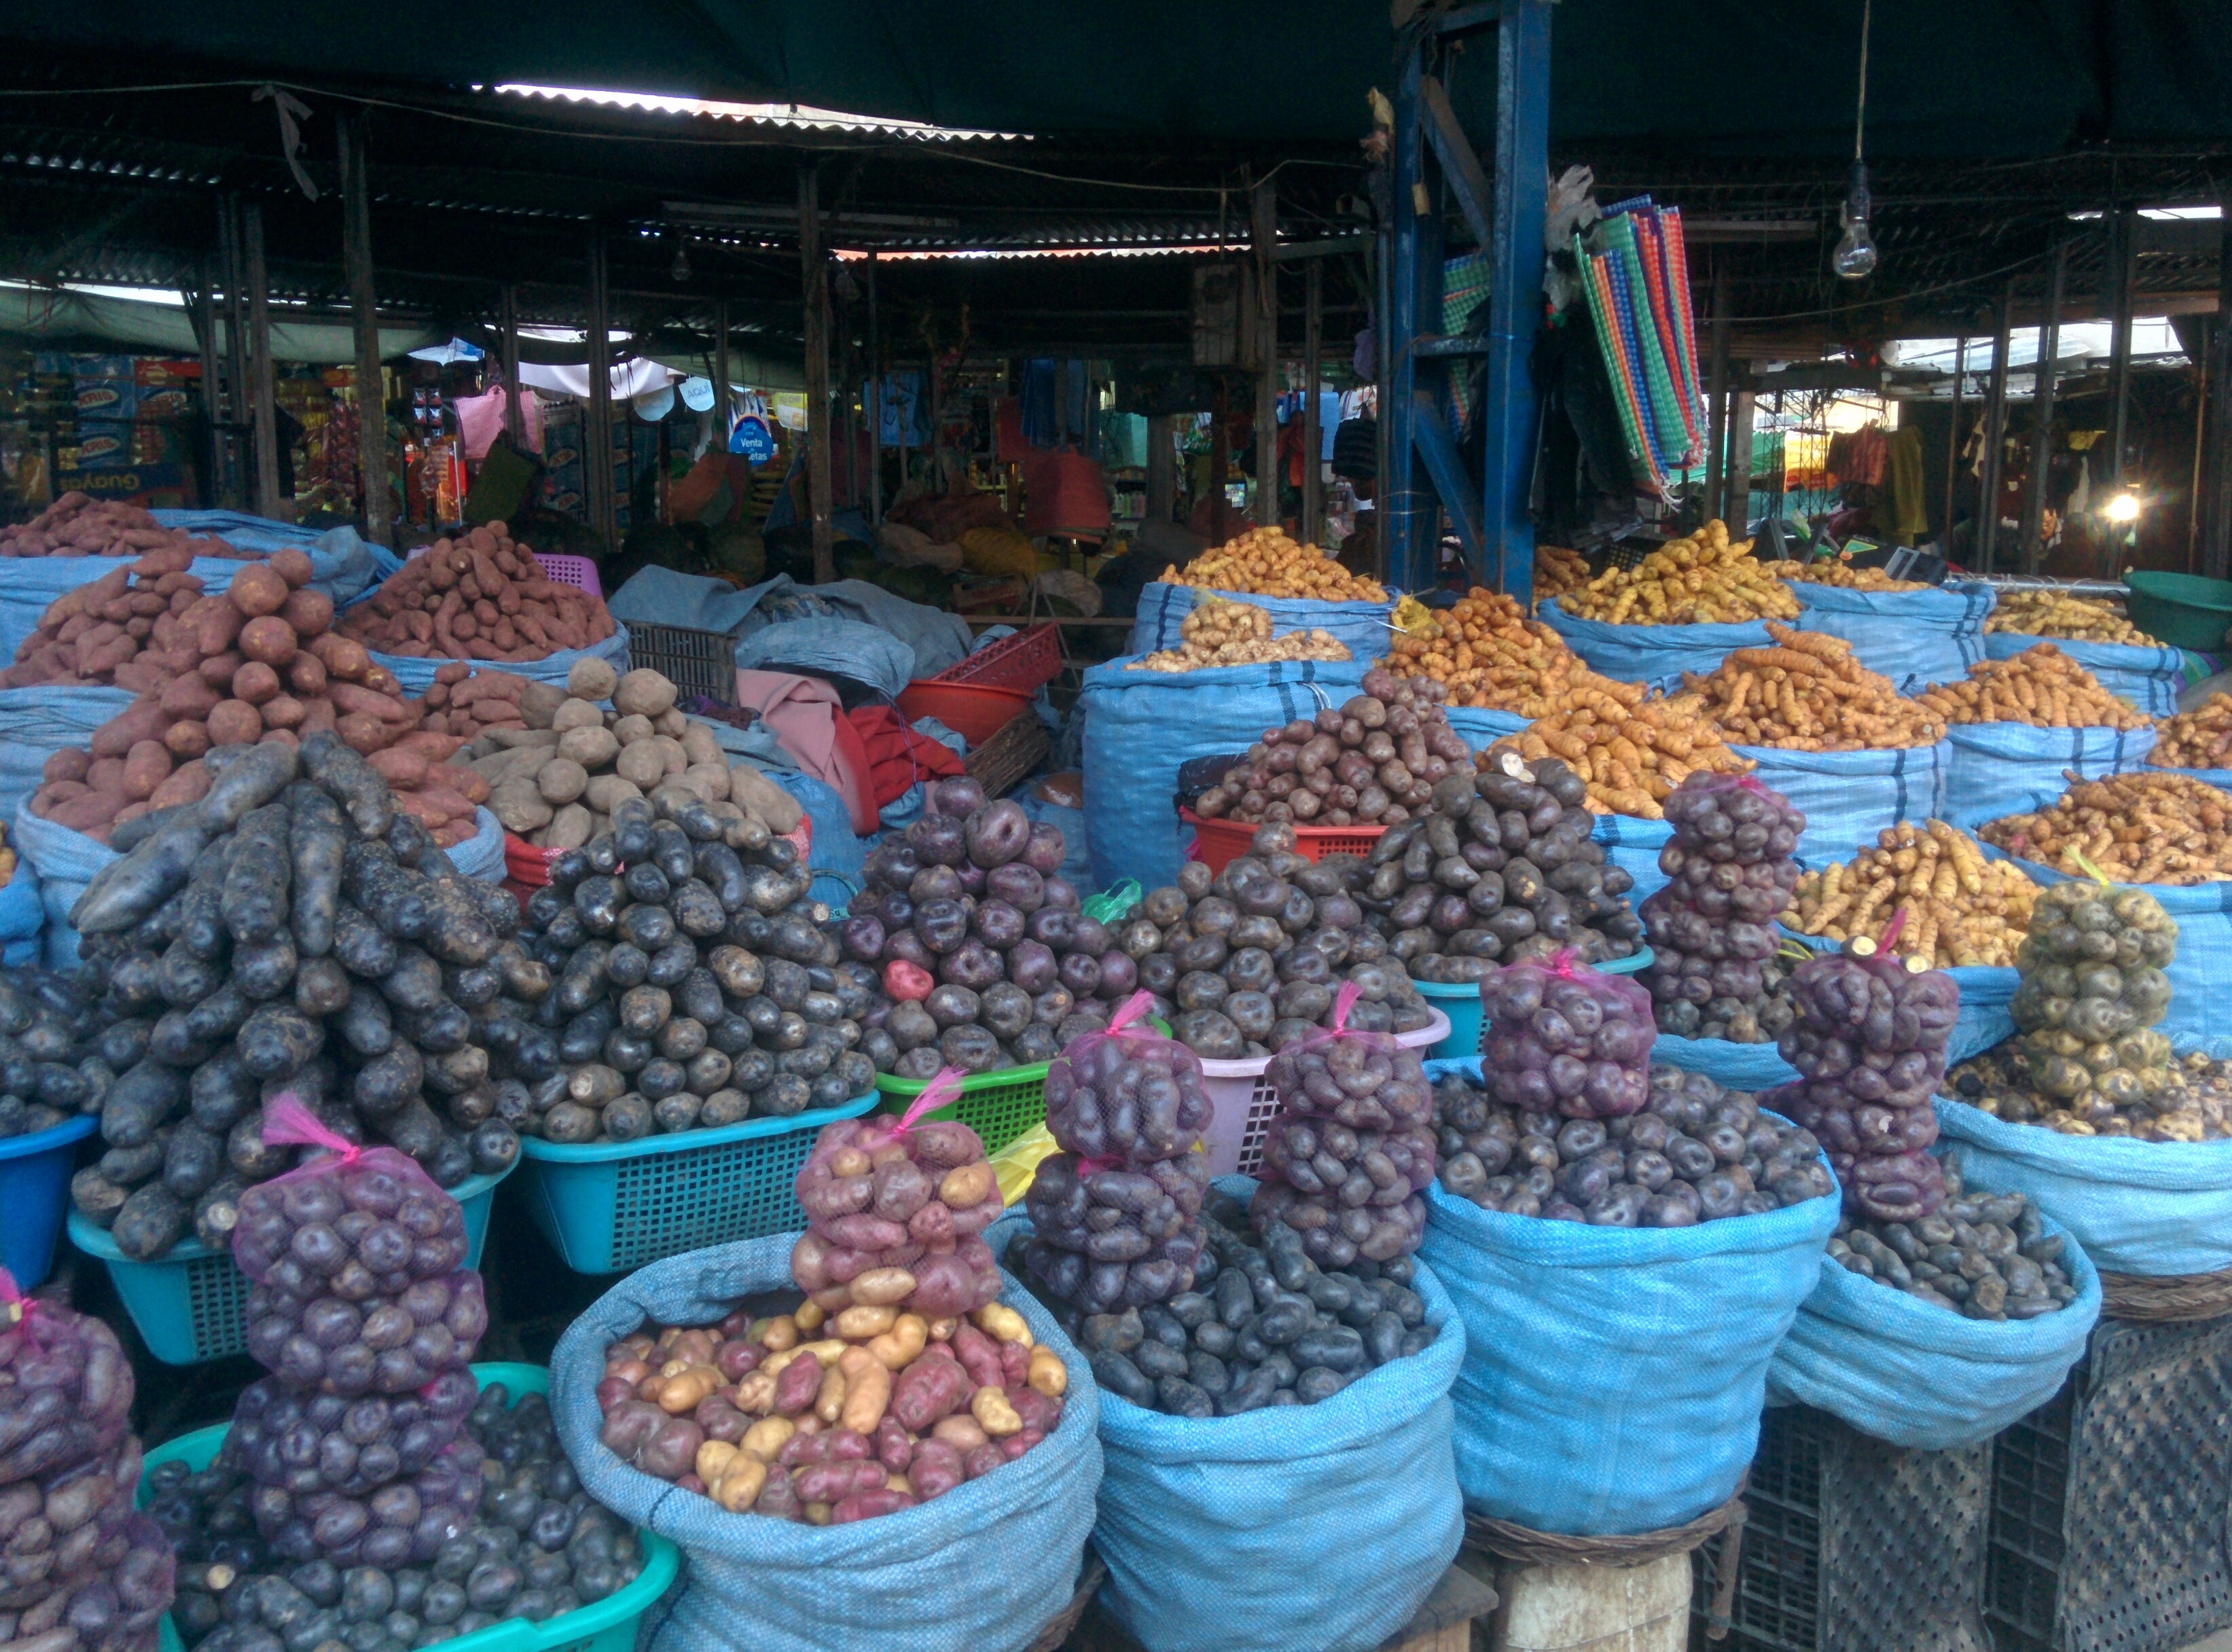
191, 1305
608, 1625
1460, 1002
35, 1173
611, 1206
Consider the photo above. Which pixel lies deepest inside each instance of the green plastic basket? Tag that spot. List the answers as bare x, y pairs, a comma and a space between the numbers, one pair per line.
611, 1206
999, 1106
2183, 609
1460, 1002
608, 1625
191, 1304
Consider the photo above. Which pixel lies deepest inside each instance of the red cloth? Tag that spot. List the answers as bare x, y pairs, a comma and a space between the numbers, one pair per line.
897, 756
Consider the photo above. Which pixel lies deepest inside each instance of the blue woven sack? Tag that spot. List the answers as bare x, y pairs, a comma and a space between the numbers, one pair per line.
1366, 627
1655, 656
1732, 1065
342, 563
2151, 1208
481, 855
1632, 844
1613, 1376
1913, 1374
981, 1569
22, 916
2002, 768
1480, 727
1141, 726
2200, 1004
1849, 796
1323, 1525
36, 723
1914, 637
65, 861
2148, 677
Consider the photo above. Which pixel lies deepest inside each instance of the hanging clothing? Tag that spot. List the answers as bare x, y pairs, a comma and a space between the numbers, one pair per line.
805, 713
1905, 516
899, 757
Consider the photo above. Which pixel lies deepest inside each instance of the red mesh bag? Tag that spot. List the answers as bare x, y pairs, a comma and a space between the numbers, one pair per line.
906, 1193
65, 1386
404, 1522
1128, 1093
1562, 1040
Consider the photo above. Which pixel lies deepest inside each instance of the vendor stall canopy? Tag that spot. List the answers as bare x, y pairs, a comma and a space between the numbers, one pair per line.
1980, 77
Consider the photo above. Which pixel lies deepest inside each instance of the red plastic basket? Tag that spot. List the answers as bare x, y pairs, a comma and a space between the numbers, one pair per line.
975, 711
1028, 660
1217, 843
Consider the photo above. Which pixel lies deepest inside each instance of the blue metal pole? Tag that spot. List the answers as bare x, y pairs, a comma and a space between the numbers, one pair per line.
1410, 511
1523, 188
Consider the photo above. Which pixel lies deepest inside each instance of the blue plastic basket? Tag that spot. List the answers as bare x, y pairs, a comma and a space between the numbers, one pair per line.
1460, 1002
191, 1305
612, 1205
608, 1625
35, 1173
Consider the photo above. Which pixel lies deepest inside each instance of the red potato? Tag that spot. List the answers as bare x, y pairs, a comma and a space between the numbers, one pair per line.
235, 723
186, 740
363, 733
269, 639
254, 683
306, 675
92, 814
216, 670
400, 767
291, 565
307, 612
106, 774
144, 719
147, 766
342, 657
188, 697
257, 590
283, 711
189, 783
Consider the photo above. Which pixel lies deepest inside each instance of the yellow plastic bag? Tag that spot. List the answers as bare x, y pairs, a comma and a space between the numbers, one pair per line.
1015, 1166
999, 552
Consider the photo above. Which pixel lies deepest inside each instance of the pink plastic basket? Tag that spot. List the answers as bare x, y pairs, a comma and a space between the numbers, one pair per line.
1242, 1104
576, 570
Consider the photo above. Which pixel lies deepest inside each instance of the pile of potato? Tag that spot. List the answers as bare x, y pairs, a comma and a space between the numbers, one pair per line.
1630, 749
1558, 570
1218, 633
1962, 909
2076, 620
1807, 693
2041, 686
253, 664
1371, 762
1267, 563
1706, 579
556, 776
1837, 571
468, 704
2188, 1099
477, 597
2201, 738
2141, 828
76, 525
1490, 654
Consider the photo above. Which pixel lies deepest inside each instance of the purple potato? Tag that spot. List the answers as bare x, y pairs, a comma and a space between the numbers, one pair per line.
1080, 973
942, 926
863, 938
939, 840
934, 883
997, 923
1019, 885
952, 1006
971, 964
1059, 893
1053, 926
958, 796
997, 834
1031, 966
1092, 936
1120, 975
905, 944
1046, 851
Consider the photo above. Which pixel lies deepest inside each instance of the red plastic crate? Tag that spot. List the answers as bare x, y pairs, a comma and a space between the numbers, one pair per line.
1216, 844
1028, 660
975, 711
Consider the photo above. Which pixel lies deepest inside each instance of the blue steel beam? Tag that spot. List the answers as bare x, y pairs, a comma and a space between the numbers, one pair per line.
1439, 450
1409, 510
1523, 188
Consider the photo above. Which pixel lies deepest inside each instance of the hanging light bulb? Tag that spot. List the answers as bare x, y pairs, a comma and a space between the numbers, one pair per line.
1855, 258
680, 271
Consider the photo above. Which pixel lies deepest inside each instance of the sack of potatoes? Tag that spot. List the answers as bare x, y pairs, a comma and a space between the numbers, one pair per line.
558, 763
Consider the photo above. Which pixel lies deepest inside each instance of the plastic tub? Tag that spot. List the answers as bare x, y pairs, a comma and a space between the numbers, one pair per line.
607, 1625
1243, 1103
1460, 1002
1216, 844
975, 711
191, 1305
607, 1207
35, 1173
2184, 610
1028, 660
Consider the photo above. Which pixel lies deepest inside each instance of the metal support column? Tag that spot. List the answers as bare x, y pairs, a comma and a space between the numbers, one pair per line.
1515, 301
1735, 488
364, 302
813, 270
1716, 391
212, 454
2123, 270
875, 405
1953, 436
597, 440
235, 420
1409, 510
263, 408
2042, 443
1263, 216
1995, 431
515, 416
2216, 473
1162, 468
1312, 527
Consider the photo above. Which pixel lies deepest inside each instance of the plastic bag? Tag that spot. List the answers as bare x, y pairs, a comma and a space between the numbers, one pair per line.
404, 1522
60, 1530
1730, 871
320, 1442
1566, 1041
1358, 1110
113, 1609
394, 1345
69, 1390
1869, 1041
884, 1193
1128, 1093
